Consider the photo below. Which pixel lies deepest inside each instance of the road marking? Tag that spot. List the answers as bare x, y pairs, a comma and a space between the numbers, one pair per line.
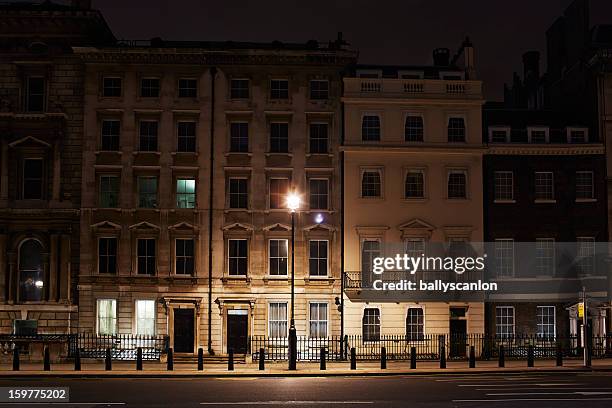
539, 388
532, 399
520, 385
249, 403
61, 403
585, 393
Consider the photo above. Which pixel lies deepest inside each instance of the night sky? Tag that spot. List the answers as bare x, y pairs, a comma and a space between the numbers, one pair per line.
384, 31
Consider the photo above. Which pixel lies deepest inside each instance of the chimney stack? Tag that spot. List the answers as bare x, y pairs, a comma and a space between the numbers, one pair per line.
531, 66
441, 57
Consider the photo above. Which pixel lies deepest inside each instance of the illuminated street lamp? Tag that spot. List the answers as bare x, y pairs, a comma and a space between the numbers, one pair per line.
293, 204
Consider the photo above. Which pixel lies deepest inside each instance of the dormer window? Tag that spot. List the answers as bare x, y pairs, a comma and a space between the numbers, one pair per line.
499, 134
577, 135
538, 134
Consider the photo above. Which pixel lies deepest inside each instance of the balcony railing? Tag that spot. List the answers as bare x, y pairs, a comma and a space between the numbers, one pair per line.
410, 88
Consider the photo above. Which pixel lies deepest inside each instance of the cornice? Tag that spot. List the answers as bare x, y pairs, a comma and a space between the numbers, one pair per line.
550, 150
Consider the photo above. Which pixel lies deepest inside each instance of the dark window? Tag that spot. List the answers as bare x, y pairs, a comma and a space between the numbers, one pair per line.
239, 89
319, 194
279, 89
371, 324
111, 87
578, 136
238, 193
415, 324
149, 87
107, 255
279, 137
413, 129
187, 88
415, 185
109, 191
499, 136
544, 185
32, 179
318, 138
370, 249
457, 185
238, 257
278, 193
370, 128
148, 136
584, 185
35, 94
111, 130
31, 275
538, 136
370, 184
277, 257
239, 137
317, 259
319, 89
184, 256
456, 130
186, 132
147, 192
146, 256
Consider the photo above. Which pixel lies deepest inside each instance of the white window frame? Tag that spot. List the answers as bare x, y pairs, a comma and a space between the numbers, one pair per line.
176, 256
497, 258
505, 323
505, 129
318, 321
379, 324
270, 257
98, 317
497, 199
592, 197
545, 129
137, 317
570, 129
551, 258
270, 321
318, 259
327, 206
540, 321
116, 255
229, 257
535, 187
421, 335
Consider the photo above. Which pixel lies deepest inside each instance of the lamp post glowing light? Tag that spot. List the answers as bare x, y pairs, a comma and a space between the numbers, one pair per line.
293, 204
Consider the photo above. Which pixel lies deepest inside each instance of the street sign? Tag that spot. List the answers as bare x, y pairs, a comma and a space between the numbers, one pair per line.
581, 309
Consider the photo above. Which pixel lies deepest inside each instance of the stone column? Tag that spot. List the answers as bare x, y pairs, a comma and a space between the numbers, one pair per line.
53, 273
57, 171
4, 172
3, 267
64, 278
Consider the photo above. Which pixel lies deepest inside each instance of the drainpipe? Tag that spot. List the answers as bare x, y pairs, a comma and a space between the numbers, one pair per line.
342, 216
213, 72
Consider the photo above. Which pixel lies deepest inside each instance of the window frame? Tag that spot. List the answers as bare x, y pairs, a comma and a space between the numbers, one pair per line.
240, 195
380, 172
420, 326
540, 322
178, 87
278, 321
367, 338
326, 207
448, 129
282, 204
463, 172
406, 128
148, 136
549, 257
103, 88
107, 255
591, 197
500, 198
141, 87
571, 129
146, 256
181, 197
498, 272
422, 172
238, 257
113, 319
504, 334
318, 321
280, 140
552, 187
545, 129
102, 193
29, 95
280, 91
184, 257
104, 136
186, 137
318, 140
325, 92
232, 96
42, 191
318, 259
139, 180
364, 127
278, 257
505, 129
137, 317
240, 126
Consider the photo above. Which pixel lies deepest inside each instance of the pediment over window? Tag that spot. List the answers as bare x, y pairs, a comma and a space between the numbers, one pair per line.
105, 226
183, 226
277, 227
416, 228
29, 141
458, 232
238, 227
145, 226
319, 228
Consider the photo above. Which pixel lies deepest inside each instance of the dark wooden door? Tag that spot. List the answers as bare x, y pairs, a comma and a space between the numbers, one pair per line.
183, 330
458, 338
237, 333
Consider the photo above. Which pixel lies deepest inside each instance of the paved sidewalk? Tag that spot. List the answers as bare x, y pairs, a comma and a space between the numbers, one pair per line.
155, 369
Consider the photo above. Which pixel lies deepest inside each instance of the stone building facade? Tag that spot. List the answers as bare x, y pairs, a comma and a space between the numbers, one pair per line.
190, 150
41, 124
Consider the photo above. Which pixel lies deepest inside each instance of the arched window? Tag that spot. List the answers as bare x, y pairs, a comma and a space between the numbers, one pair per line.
31, 273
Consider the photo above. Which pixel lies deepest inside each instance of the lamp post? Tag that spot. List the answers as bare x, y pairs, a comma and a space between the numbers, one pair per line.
293, 203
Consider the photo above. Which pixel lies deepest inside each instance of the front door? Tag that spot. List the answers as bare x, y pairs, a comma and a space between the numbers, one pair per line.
183, 330
458, 338
237, 332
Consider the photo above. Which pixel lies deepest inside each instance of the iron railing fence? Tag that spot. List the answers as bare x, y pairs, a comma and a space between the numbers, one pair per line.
308, 349
428, 347
122, 346
23, 342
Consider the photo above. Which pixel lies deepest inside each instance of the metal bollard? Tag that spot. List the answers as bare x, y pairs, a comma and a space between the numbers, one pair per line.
15, 358
139, 359
170, 360
383, 358
322, 364
472, 357
559, 356
502, 357
413, 357
442, 356
200, 359
530, 355
77, 360
46, 359
262, 359
230, 360
108, 364
353, 358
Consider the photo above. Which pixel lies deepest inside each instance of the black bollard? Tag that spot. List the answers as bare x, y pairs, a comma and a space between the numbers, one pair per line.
200, 359
559, 356
472, 357
262, 359
442, 356
502, 357
139, 359
413, 357
383, 358
353, 359
530, 355
46, 359
230, 360
322, 364
77, 360
15, 358
170, 361
108, 364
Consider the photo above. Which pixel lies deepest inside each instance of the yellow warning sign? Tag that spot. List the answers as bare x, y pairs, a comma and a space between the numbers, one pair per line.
581, 309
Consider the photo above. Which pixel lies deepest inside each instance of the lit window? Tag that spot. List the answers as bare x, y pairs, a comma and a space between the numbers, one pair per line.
277, 257
277, 320
107, 316
145, 317
185, 193
318, 320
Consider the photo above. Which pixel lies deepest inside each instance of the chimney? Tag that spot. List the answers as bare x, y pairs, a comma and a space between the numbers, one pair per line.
81, 4
469, 59
441, 57
531, 66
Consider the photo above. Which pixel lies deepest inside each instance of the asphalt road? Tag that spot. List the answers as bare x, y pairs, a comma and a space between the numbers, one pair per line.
559, 390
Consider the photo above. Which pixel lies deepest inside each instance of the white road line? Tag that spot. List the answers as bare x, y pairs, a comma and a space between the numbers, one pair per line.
539, 388
522, 385
584, 393
61, 403
249, 403
532, 399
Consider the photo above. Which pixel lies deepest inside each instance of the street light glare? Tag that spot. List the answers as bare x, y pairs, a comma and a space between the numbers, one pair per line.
293, 201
